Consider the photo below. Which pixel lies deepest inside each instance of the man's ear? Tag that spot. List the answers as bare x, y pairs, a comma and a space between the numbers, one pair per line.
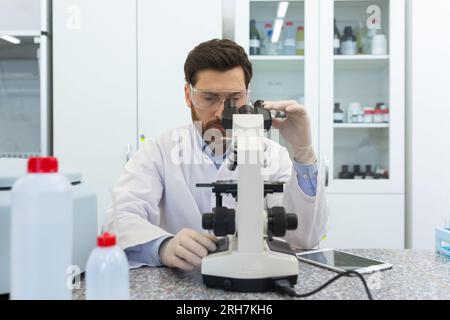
187, 95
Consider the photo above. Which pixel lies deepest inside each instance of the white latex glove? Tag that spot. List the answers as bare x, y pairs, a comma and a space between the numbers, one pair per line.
186, 249
295, 129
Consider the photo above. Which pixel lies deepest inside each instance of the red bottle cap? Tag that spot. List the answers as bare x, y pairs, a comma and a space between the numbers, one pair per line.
268, 25
300, 28
106, 240
42, 165
289, 23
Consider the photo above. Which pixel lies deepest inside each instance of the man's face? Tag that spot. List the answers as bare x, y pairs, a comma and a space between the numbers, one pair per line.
206, 98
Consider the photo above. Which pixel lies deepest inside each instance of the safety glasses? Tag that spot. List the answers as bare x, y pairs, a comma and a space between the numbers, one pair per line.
212, 100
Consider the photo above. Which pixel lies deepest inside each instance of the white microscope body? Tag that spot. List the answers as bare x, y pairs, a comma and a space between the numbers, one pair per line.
249, 259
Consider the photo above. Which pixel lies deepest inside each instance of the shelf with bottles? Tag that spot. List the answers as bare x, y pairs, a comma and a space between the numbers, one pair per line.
276, 28
361, 28
368, 172
356, 116
361, 146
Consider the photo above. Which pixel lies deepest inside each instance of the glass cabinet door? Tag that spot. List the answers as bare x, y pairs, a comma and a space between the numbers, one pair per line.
278, 43
20, 99
367, 106
361, 90
277, 28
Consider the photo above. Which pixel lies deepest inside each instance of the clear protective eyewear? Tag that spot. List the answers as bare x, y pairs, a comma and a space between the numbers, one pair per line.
212, 100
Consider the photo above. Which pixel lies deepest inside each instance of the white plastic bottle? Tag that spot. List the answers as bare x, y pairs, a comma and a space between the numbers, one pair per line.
379, 44
107, 271
41, 233
289, 42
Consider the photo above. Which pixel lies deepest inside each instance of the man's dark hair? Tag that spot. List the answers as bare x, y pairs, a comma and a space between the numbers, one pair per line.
219, 55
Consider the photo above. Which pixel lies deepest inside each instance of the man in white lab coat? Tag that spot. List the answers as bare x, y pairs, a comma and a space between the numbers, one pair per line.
157, 208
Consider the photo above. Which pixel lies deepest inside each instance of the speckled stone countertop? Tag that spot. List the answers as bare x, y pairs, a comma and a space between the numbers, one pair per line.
415, 275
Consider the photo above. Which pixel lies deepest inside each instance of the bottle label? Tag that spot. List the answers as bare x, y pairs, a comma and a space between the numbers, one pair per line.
338, 116
337, 43
378, 118
254, 43
300, 45
289, 42
348, 48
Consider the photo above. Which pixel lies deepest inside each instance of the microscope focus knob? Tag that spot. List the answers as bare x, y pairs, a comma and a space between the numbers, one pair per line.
207, 221
292, 221
279, 221
222, 221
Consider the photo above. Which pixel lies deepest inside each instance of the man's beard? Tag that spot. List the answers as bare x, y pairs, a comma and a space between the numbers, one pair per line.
213, 133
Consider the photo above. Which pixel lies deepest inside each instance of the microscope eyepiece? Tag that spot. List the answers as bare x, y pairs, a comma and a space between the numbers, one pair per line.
246, 109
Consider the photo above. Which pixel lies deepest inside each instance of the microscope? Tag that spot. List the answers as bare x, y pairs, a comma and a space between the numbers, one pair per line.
248, 257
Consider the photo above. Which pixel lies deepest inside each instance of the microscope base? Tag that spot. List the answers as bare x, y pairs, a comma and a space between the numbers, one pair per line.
244, 285
232, 270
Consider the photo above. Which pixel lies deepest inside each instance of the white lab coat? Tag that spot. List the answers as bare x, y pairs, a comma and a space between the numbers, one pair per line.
157, 195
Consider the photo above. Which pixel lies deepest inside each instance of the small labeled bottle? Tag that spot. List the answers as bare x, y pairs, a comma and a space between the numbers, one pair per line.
289, 42
107, 271
379, 45
379, 172
255, 39
368, 115
271, 48
360, 116
353, 112
348, 42
267, 40
367, 41
337, 39
357, 174
385, 111
368, 175
344, 174
300, 41
378, 116
360, 37
338, 113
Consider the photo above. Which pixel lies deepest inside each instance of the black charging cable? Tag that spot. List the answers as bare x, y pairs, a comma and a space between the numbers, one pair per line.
284, 286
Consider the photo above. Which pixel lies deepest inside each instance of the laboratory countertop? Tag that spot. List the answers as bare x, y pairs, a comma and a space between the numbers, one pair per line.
415, 275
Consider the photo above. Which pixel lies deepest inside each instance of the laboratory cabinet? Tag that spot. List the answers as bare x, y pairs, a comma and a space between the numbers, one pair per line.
118, 78
365, 221
25, 124
347, 68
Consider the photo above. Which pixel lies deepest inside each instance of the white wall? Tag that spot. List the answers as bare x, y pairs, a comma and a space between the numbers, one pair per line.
428, 120
228, 18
